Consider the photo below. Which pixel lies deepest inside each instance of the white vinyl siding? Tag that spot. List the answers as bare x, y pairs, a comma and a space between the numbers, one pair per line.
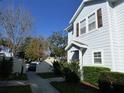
92, 22
83, 26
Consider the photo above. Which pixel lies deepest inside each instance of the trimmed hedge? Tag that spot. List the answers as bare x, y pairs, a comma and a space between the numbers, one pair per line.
91, 74
111, 82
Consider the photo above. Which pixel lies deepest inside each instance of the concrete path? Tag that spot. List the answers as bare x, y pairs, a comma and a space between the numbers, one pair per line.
40, 85
13, 83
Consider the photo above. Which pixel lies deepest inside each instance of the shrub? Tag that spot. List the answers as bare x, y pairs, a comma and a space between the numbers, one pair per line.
111, 82
74, 67
57, 68
71, 76
91, 74
68, 70
6, 68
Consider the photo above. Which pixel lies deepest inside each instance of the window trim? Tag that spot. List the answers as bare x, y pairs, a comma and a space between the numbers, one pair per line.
102, 57
87, 23
85, 26
77, 29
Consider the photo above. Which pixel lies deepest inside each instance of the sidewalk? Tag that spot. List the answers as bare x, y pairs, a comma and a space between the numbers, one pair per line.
40, 85
13, 83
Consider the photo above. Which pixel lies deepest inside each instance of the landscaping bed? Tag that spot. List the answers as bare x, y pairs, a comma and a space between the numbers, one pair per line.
65, 87
16, 89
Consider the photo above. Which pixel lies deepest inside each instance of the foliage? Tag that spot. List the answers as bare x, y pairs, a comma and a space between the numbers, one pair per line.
3, 42
36, 49
91, 74
111, 82
16, 23
57, 68
71, 77
6, 68
15, 89
65, 87
69, 70
57, 43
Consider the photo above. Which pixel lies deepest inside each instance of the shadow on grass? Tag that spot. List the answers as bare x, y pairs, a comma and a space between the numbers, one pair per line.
15, 77
16, 89
64, 87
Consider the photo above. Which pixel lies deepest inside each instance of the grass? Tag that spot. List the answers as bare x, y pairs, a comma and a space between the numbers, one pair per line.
47, 75
19, 77
64, 87
16, 89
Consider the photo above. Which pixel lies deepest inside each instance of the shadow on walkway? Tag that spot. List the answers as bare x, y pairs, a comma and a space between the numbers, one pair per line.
40, 85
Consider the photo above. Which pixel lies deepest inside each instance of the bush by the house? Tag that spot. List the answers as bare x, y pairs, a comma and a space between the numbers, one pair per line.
57, 68
5, 68
91, 74
111, 82
70, 71
71, 76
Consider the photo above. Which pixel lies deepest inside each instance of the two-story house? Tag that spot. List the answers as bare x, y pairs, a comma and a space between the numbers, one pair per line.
96, 34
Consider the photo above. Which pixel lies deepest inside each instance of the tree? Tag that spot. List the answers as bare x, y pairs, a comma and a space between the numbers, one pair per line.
36, 49
16, 22
57, 43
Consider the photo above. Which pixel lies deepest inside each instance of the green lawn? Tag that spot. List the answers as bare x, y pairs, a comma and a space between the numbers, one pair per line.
64, 87
47, 75
19, 77
16, 89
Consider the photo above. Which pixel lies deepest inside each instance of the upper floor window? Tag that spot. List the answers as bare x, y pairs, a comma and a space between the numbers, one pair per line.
99, 17
83, 26
92, 22
97, 57
77, 29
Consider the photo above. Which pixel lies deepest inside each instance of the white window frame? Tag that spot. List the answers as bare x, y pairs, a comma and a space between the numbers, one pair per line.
102, 57
80, 26
87, 23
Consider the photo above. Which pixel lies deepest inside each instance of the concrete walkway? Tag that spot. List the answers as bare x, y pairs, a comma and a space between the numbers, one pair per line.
13, 83
40, 85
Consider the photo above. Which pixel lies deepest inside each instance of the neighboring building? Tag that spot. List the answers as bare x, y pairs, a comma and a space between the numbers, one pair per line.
96, 34
5, 51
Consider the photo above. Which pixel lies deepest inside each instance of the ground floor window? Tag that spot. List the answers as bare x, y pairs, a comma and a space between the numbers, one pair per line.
97, 57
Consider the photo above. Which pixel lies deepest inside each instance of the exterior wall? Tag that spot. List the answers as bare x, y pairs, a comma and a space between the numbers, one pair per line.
109, 39
118, 35
98, 39
70, 37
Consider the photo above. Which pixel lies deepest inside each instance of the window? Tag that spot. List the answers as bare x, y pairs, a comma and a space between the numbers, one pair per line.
77, 29
83, 26
92, 22
99, 18
97, 57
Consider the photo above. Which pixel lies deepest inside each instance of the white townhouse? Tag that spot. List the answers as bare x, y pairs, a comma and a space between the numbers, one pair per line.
96, 34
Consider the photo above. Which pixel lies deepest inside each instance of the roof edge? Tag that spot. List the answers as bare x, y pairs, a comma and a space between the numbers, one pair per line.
78, 10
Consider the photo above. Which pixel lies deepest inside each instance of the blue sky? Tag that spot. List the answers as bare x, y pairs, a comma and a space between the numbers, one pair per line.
49, 15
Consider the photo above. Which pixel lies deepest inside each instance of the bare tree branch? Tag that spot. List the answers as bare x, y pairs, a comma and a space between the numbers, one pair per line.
17, 22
